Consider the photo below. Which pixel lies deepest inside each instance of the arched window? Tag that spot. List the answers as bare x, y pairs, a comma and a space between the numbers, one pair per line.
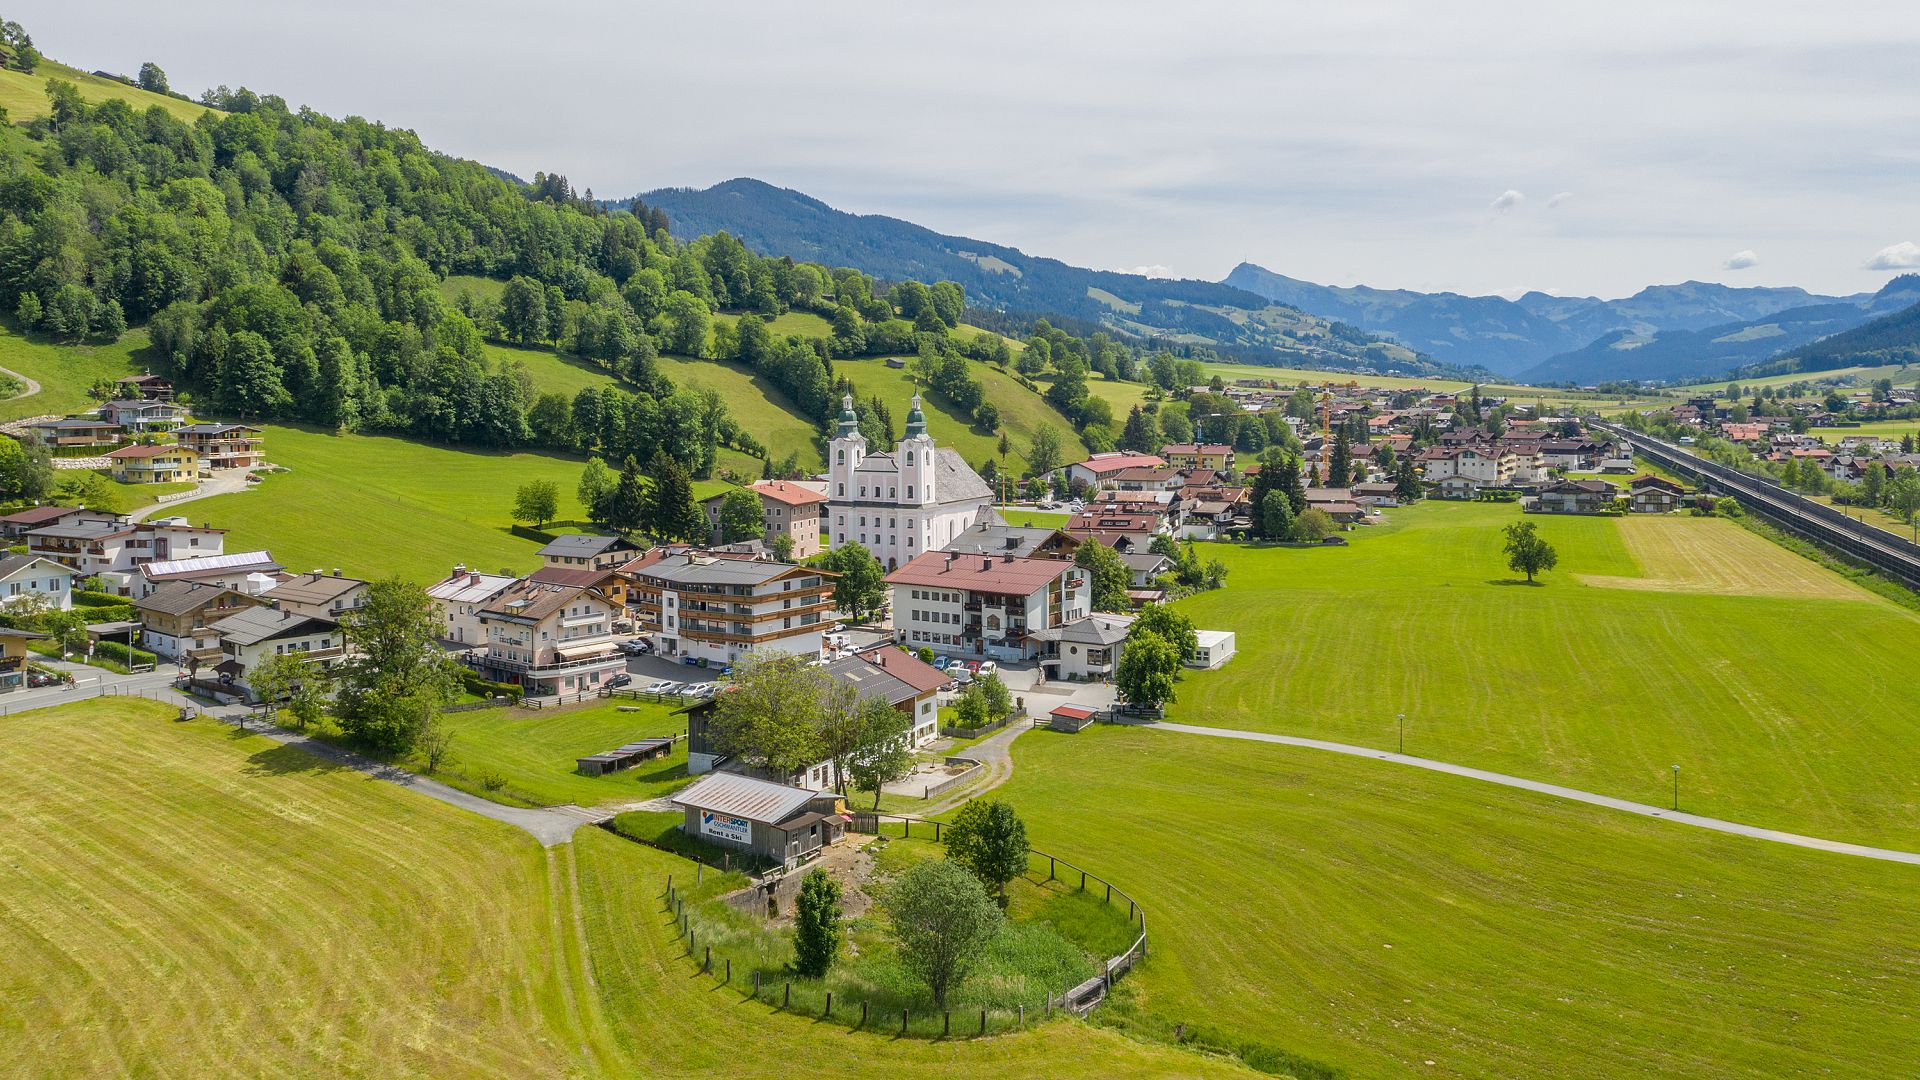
909, 457
909, 491
842, 456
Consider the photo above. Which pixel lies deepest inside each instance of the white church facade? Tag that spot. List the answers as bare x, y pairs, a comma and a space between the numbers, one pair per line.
900, 504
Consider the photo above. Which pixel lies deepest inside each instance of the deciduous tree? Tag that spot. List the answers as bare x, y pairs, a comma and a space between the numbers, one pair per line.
941, 921
1109, 576
536, 502
816, 925
740, 517
1148, 666
1527, 551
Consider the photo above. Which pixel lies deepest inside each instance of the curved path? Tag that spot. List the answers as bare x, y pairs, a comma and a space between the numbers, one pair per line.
1717, 824
32, 385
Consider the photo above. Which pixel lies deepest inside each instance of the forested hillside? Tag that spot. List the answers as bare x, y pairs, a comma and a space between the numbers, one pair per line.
292, 266
1889, 339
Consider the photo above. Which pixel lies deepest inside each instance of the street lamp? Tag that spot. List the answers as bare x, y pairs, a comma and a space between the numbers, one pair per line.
1676, 787
1402, 718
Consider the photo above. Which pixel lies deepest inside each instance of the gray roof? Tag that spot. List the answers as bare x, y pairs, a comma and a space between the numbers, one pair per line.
76, 422
870, 680
744, 796
211, 429
876, 463
583, 545
82, 530
1145, 561
180, 597
689, 570
313, 589
1095, 629
956, 481
13, 564
257, 624
1021, 541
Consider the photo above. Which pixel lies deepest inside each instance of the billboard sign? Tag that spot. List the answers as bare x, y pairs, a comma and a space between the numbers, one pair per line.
721, 827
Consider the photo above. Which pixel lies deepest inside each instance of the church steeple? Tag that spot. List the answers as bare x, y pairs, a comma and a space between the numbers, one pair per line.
850, 420
916, 420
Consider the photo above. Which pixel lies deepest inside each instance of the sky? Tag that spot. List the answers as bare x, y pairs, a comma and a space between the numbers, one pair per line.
1475, 147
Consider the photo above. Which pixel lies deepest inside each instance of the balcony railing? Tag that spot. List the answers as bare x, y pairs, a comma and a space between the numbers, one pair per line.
503, 664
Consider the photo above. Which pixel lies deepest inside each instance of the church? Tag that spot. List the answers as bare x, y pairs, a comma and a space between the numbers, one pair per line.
899, 504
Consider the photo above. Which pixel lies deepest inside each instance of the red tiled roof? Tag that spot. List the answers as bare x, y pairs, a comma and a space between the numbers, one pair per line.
980, 573
906, 667
1113, 462
1071, 712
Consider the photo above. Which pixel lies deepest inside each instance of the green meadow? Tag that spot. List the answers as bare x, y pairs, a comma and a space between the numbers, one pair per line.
24, 95
1658, 641
64, 371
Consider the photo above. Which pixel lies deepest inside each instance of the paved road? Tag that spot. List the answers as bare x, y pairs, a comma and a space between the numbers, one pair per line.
1718, 825
224, 482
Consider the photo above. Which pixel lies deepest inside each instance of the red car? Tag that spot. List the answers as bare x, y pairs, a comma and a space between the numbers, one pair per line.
973, 667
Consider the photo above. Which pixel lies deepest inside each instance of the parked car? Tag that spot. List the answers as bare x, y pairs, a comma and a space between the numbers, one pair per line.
940, 662
660, 686
961, 676
619, 681
636, 647
987, 667
973, 667
698, 690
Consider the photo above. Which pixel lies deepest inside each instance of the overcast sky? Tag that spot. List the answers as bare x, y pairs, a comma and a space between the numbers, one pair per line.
1587, 148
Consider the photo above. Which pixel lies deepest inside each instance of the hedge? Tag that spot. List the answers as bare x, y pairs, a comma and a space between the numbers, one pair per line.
90, 598
474, 684
114, 650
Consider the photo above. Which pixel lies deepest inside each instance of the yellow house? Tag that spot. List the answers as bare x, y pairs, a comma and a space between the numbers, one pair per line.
161, 463
13, 657
1213, 456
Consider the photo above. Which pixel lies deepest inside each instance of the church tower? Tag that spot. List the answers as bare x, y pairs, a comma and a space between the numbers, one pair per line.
847, 450
916, 461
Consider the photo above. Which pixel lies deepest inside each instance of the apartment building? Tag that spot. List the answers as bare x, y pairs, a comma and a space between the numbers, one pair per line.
720, 609
984, 605
223, 446
551, 639
115, 549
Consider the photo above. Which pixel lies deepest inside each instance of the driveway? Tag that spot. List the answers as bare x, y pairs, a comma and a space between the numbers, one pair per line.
224, 482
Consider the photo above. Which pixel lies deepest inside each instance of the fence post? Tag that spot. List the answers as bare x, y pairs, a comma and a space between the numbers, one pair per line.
863, 1014
787, 1000
903, 1021
1049, 868
946, 1023
707, 965
983, 1021
1129, 910
936, 832
1083, 881
1023, 1015
1109, 892
829, 1003
729, 969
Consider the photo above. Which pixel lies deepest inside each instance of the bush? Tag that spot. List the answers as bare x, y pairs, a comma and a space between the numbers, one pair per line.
114, 650
92, 598
479, 687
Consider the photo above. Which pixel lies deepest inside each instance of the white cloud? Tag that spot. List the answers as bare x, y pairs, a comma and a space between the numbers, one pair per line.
1156, 270
1741, 260
1508, 200
1904, 255
1559, 198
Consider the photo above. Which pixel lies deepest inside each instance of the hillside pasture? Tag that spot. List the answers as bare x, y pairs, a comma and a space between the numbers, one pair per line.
1776, 706
759, 407
215, 904
1394, 922
1022, 412
64, 371
803, 324
24, 95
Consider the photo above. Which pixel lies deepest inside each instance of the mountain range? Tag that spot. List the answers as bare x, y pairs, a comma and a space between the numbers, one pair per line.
1663, 333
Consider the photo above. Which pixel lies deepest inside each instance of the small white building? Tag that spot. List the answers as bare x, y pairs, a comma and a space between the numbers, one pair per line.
1216, 648
459, 598
25, 576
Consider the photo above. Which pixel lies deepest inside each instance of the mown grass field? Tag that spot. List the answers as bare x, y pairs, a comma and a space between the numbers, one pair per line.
1862, 376
1886, 429
754, 402
1767, 679
1394, 922
804, 324
213, 904
25, 95
1020, 515
64, 371
375, 505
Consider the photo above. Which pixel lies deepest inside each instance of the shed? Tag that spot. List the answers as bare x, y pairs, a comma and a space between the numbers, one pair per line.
1216, 648
778, 823
623, 757
1069, 718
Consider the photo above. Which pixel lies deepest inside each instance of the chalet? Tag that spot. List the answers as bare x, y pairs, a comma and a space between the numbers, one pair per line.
1457, 487
582, 549
147, 387
780, 824
459, 597
1485, 465
78, 431
1123, 532
253, 633
718, 610
1575, 497
1020, 541
1215, 456
115, 549
30, 580
157, 463
1376, 495
329, 596
14, 656
549, 639
982, 605
1648, 494
1099, 469
250, 572
787, 508
1087, 648
223, 446
1145, 566
142, 416
1147, 478
177, 619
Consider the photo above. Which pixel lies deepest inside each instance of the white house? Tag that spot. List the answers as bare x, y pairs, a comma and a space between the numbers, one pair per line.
23, 576
899, 505
984, 605
459, 597
252, 634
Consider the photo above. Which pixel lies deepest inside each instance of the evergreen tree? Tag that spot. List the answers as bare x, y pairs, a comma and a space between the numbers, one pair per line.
627, 509
1138, 434
1341, 462
672, 512
29, 313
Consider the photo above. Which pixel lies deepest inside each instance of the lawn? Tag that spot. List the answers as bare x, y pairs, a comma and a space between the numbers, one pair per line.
1394, 922
1656, 641
804, 324
213, 904
377, 505
1886, 429
554, 372
25, 95
64, 371
1020, 515
526, 756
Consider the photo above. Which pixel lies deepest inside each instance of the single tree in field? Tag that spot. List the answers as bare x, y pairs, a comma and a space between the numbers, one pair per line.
740, 517
626, 508
1171, 625
596, 484
941, 920
1276, 516
886, 758
536, 502
816, 925
1314, 525
153, 79
1148, 666
990, 840
435, 743
1527, 551
1109, 576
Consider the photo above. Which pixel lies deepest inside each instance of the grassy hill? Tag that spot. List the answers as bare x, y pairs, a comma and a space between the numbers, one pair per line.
156, 907
376, 505
64, 371
25, 96
1656, 641
1394, 922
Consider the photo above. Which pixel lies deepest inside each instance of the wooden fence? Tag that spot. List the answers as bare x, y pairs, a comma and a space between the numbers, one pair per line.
1078, 999
955, 780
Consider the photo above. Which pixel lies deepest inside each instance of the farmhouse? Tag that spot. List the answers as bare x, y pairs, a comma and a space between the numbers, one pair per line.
550, 639
1100, 469
223, 446
1575, 497
775, 822
980, 605
253, 633
158, 463
720, 609
582, 550
1648, 494
459, 597
148, 387
177, 619
24, 576
787, 509
903, 504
